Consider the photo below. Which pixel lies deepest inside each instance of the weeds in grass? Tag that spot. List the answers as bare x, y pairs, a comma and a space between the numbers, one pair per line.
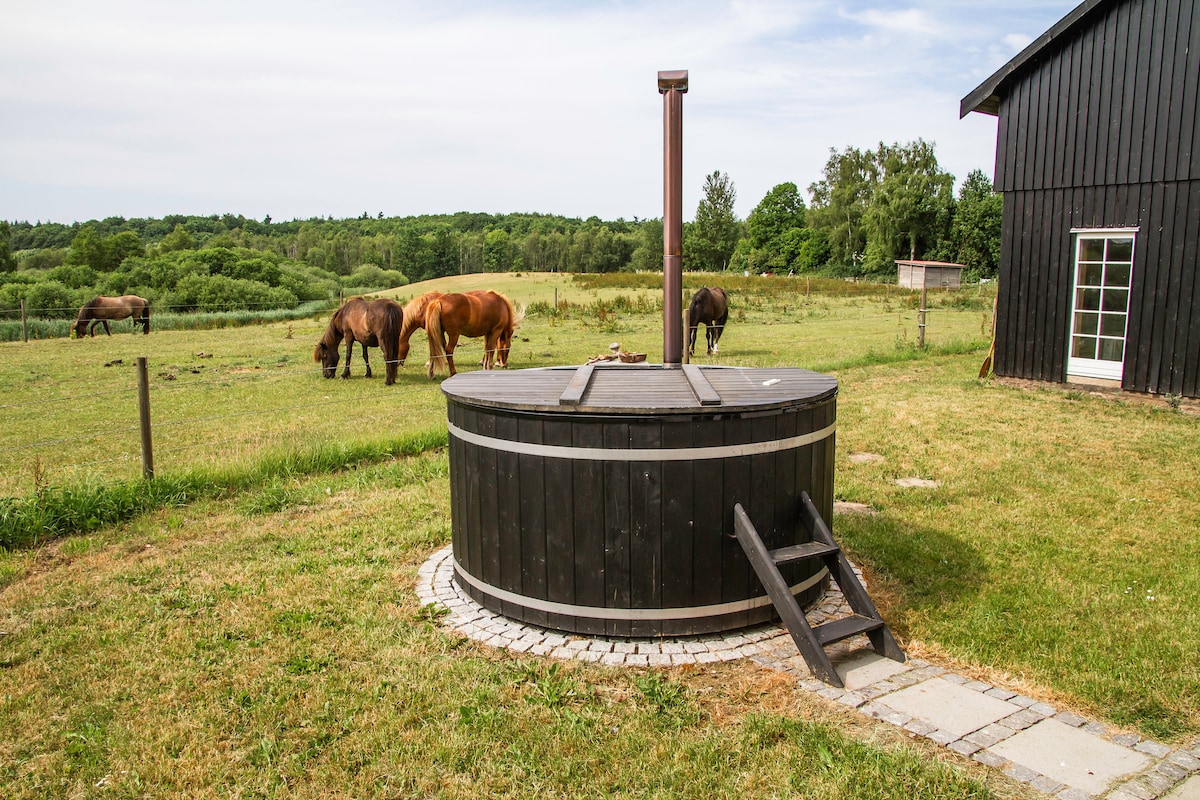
432, 613
551, 686
664, 695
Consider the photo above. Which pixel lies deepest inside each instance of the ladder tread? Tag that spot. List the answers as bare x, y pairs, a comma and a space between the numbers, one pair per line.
844, 628
811, 641
800, 552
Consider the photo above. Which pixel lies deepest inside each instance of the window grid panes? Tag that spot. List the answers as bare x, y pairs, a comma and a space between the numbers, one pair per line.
1103, 270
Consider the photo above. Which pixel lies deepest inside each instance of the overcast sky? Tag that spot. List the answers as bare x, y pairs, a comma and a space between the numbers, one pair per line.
300, 109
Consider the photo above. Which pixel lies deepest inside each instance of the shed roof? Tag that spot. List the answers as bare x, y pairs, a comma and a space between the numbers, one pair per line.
929, 264
985, 98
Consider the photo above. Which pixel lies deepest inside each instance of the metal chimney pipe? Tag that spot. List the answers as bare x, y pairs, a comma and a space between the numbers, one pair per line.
672, 84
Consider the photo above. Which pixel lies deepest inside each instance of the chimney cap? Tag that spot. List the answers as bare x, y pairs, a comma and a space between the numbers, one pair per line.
676, 79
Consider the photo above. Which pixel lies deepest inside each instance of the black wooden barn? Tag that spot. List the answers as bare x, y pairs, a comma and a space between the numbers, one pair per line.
1096, 135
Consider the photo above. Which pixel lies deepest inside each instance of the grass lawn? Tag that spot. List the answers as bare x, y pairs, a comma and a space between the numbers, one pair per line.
268, 642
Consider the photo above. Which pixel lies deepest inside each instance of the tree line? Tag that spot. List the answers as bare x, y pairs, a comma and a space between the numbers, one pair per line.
869, 208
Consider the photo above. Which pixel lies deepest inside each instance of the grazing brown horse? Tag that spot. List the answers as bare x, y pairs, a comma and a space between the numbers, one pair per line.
709, 307
414, 318
101, 309
477, 313
372, 323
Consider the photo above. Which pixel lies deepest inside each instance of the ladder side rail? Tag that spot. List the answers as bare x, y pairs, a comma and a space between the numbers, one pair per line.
882, 640
781, 596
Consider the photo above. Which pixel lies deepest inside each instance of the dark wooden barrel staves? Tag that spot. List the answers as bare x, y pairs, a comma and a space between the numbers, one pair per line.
599, 499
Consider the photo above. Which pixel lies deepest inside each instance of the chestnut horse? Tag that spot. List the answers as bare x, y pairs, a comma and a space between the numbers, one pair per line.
414, 318
101, 309
372, 323
446, 317
709, 307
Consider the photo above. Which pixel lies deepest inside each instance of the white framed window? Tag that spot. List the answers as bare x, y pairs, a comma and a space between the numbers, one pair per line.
1100, 304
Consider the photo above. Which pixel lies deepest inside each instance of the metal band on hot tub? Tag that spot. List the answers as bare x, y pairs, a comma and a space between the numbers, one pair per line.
639, 614
640, 454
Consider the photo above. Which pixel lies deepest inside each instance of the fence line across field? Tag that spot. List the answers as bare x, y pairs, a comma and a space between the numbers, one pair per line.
145, 388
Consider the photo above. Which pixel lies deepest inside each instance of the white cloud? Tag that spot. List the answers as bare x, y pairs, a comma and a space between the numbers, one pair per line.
302, 109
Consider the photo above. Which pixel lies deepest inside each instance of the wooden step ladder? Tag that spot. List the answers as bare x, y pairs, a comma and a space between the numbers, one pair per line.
812, 641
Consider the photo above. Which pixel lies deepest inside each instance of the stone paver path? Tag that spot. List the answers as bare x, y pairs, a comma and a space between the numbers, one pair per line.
1055, 752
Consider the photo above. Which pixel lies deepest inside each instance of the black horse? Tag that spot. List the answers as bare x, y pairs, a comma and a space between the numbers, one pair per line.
709, 307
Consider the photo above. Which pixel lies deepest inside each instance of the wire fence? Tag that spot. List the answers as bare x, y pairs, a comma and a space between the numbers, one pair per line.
79, 424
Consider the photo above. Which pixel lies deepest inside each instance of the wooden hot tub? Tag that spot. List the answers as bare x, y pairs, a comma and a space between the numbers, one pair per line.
599, 500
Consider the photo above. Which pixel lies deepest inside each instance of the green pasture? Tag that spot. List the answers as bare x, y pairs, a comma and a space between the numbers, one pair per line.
256, 633
225, 396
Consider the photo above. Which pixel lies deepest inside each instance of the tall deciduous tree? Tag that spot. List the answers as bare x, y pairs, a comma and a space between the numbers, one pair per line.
840, 200
975, 233
911, 202
121, 246
776, 232
7, 262
716, 230
178, 239
781, 210
88, 248
648, 254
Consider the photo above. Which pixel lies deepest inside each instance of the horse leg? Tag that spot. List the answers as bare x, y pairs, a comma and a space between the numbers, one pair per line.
107, 330
451, 343
349, 352
366, 360
692, 339
490, 343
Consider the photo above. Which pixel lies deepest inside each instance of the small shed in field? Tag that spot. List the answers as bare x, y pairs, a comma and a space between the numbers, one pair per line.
928, 274
1098, 131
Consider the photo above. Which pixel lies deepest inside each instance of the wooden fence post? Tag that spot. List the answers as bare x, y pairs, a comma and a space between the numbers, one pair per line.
144, 418
24, 328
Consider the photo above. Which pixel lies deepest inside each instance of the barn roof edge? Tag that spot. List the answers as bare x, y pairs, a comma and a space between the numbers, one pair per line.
985, 99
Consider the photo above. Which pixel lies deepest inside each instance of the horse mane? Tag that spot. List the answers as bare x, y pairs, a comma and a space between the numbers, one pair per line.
515, 313
414, 310
332, 336
696, 304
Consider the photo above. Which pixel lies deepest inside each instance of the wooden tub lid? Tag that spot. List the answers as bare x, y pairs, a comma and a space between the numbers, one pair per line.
640, 388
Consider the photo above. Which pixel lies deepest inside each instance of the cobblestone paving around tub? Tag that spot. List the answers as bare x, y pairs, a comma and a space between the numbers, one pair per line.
1056, 752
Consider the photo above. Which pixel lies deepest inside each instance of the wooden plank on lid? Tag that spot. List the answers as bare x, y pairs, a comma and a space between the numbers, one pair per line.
578, 385
703, 390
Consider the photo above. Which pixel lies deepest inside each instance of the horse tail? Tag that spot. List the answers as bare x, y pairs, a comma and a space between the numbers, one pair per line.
724, 307
437, 343
146, 318
389, 340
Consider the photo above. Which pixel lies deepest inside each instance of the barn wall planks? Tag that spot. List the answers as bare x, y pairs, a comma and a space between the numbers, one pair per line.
1099, 132
1161, 355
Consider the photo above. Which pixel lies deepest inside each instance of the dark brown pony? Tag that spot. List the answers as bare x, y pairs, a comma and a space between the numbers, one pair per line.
710, 308
478, 313
101, 309
372, 323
